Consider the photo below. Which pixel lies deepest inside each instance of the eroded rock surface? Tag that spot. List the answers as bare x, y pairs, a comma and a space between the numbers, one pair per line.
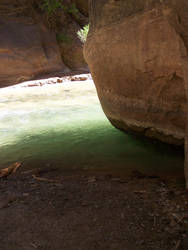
82, 5
27, 49
133, 51
36, 42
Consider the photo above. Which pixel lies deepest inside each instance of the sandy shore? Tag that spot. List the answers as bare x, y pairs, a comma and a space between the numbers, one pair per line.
53, 80
44, 209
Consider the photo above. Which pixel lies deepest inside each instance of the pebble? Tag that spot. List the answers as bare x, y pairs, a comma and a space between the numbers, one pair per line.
25, 194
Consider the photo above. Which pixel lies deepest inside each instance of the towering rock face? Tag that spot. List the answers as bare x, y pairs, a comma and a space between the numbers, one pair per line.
27, 49
133, 51
31, 46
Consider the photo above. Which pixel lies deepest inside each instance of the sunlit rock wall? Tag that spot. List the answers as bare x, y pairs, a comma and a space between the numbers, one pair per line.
133, 51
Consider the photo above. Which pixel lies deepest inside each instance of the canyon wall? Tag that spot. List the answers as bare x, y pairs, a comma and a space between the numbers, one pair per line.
134, 51
35, 40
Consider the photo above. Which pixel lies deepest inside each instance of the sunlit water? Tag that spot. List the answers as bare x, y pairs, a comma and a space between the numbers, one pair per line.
64, 126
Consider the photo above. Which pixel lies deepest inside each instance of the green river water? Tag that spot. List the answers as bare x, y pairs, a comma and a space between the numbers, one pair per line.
64, 126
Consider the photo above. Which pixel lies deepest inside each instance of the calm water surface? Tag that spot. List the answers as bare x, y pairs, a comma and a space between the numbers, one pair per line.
64, 125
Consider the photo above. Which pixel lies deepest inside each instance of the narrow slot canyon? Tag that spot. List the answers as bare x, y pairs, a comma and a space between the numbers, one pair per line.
93, 141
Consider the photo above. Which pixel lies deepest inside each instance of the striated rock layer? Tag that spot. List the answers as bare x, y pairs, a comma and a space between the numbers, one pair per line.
133, 51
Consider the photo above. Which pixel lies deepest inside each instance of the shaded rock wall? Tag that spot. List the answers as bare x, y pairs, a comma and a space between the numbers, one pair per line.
30, 45
27, 49
82, 5
133, 51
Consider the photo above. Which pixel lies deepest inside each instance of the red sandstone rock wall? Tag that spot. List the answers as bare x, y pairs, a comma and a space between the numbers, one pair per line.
29, 46
27, 49
133, 51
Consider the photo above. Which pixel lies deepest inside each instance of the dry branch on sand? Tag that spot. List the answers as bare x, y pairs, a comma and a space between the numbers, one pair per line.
10, 170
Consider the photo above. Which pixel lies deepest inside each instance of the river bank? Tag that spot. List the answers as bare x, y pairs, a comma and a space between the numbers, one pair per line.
83, 184
58, 79
46, 209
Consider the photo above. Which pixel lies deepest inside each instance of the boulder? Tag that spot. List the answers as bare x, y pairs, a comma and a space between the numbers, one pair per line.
133, 51
71, 48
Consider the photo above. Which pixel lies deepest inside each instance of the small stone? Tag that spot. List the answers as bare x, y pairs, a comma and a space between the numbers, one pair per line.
90, 180
25, 194
59, 80
3, 204
122, 215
